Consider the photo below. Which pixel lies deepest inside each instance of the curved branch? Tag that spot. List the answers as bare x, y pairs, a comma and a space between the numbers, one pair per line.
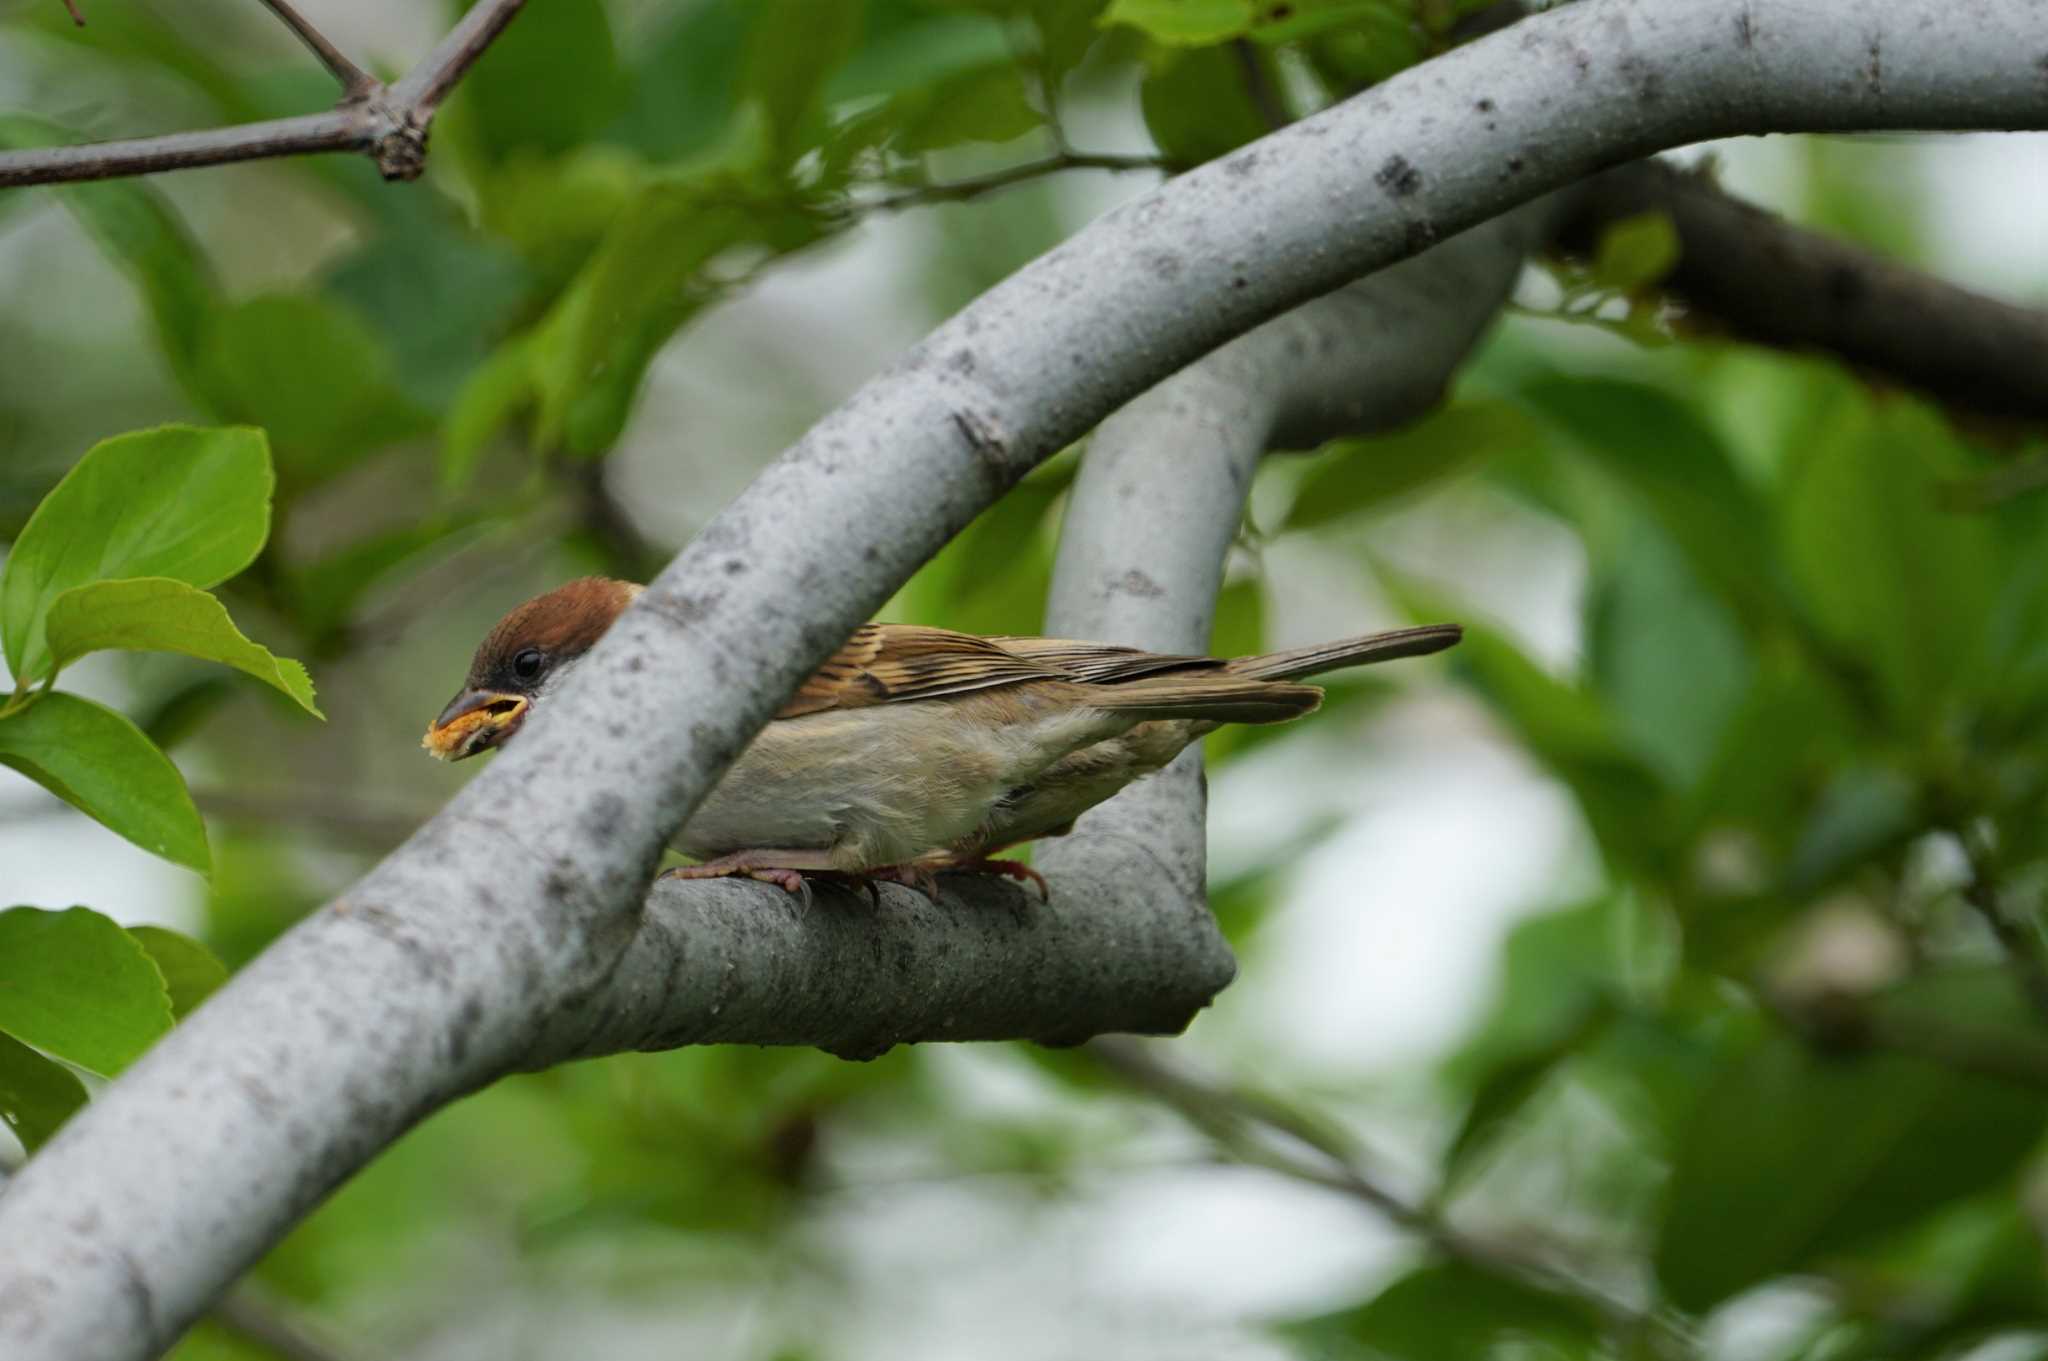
389, 123
1770, 281
467, 952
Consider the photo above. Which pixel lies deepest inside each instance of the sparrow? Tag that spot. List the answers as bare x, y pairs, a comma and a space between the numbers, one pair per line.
916, 750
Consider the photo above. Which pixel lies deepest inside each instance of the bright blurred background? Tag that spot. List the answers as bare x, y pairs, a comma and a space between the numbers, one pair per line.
1517, 926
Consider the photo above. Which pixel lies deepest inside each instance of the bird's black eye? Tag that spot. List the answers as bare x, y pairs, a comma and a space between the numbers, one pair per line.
527, 663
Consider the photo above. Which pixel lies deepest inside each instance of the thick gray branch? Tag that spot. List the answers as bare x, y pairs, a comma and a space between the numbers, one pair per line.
517, 909
389, 123
1162, 489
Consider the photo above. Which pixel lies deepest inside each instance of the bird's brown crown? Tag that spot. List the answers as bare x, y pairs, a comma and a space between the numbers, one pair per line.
565, 622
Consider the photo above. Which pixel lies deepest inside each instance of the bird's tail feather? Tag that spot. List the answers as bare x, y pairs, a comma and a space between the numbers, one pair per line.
1299, 662
1209, 698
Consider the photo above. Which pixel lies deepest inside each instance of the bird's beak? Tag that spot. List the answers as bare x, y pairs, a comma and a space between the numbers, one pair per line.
474, 721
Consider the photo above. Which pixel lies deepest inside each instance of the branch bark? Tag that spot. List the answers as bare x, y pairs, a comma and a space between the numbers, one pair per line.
1778, 284
514, 913
388, 123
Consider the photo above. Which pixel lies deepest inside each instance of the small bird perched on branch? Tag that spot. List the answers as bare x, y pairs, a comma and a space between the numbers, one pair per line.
916, 750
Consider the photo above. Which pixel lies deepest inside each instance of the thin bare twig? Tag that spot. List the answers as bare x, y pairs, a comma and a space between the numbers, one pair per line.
959, 191
387, 123
373, 827
71, 8
261, 1317
2024, 949
356, 83
1235, 1120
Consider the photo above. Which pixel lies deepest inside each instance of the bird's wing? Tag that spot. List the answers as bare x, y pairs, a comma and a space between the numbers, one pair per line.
1101, 663
887, 663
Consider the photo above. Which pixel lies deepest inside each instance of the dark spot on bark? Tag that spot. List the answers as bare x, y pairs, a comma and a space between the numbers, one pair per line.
1398, 177
1238, 282
260, 1096
961, 362
1240, 165
136, 1287
684, 609
1164, 263
636, 664
463, 1028
1135, 582
735, 566
1514, 165
1484, 106
432, 963
1745, 29
601, 821
1873, 69
615, 731
1419, 235
1647, 82
981, 436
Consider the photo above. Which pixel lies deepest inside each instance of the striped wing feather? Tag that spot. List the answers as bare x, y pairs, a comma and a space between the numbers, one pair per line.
888, 663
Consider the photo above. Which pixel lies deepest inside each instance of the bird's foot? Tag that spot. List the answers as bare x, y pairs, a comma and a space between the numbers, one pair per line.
783, 868
919, 873
1009, 869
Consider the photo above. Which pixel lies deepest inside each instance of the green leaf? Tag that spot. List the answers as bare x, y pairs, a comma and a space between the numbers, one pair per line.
686, 80
987, 104
1557, 969
647, 278
1669, 659
550, 81
1353, 475
1657, 448
1183, 23
795, 47
1455, 1310
136, 227
494, 393
1570, 731
1792, 1155
190, 970
176, 501
1296, 20
1635, 253
1863, 811
308, 371
1351, 59
1197, 106
156, 614
1891, 576
36, 1094
437, 296
77, 986
101, 764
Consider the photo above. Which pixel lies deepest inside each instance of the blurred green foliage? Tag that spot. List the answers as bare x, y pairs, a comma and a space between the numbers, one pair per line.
1784, 1031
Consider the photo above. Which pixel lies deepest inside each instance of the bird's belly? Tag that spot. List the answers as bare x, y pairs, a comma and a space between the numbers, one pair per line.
875, 786
1078, 781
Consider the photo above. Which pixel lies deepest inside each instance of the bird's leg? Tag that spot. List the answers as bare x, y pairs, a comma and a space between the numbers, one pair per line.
954, 862
782, 868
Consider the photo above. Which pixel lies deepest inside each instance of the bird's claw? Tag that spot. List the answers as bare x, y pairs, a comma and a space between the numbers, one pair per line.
1012, 869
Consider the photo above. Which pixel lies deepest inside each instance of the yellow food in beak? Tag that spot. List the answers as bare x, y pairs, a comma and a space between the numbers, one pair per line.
474, 721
